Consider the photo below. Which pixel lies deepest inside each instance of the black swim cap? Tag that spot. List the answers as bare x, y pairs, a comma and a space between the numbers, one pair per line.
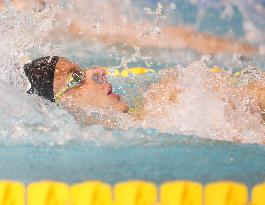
40, 73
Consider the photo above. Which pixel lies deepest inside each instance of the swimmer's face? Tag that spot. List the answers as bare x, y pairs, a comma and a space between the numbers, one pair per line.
94, 91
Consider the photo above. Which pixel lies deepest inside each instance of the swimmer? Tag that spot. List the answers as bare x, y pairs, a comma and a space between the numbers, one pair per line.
61, 81
114, 30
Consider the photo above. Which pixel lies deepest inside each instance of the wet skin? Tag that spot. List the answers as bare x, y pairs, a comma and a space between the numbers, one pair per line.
94, 91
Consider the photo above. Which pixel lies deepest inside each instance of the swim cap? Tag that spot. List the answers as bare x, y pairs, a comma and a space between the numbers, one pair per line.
40, 73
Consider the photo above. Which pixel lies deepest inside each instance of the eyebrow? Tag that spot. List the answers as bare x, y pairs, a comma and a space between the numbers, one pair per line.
74, 68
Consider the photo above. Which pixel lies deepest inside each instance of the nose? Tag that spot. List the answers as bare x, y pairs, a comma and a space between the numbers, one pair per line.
99, 75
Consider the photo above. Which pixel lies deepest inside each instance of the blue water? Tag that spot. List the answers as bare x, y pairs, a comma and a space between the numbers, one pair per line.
183, 158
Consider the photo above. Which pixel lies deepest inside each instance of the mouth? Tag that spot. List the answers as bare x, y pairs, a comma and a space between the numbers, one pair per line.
110, 93
116, 96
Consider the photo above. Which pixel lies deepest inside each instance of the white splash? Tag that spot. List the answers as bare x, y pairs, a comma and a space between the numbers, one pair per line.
200, 111
22, 32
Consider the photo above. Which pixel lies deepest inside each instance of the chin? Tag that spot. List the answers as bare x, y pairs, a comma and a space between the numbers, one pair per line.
125, 109
118, 104
122, 107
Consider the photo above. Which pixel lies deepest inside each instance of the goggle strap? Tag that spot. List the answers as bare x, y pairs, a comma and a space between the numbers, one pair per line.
58, 95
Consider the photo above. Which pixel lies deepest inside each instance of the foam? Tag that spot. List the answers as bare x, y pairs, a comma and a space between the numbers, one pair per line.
202, 112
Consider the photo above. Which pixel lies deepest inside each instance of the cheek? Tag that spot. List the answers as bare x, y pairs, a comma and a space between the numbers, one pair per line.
88, 91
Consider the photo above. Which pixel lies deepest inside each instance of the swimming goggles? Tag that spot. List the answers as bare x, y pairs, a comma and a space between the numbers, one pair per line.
74, 79
77, 78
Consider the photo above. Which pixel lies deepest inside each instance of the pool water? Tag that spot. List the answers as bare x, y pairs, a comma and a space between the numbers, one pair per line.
40, 140
181, 157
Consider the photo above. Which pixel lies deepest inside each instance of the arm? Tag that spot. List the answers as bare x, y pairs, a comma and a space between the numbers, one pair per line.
132, 33
171, 37
2, 4
28, 5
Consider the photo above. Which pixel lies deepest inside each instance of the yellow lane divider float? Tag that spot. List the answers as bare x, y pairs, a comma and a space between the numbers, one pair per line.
130, 193
128, 71
142, 70
221, 193
12, 193
217, 69
181, 192
135, 193
91, 193
47, 193
258, 194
